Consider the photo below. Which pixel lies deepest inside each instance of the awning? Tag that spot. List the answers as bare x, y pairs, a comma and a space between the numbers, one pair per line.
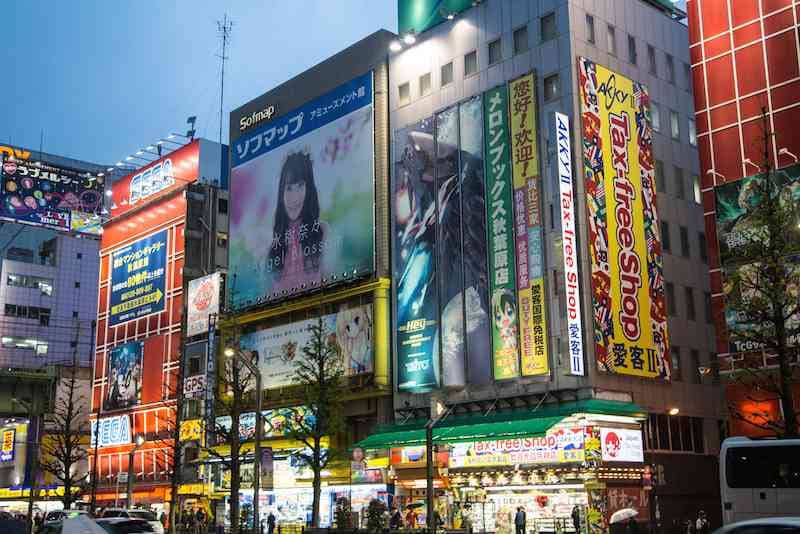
503, 425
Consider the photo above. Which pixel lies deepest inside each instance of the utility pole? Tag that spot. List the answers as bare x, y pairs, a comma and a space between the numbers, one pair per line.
224, 29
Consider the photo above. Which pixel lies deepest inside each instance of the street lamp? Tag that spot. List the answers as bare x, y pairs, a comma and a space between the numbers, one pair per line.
438, 412
139, 441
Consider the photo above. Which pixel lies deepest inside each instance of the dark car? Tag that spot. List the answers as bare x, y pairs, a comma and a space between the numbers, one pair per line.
125, 525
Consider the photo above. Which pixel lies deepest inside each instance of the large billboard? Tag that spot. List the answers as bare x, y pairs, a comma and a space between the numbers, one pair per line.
630, 323
42, 194
202, 303
138, 279
302, 198
124, 375
280, 347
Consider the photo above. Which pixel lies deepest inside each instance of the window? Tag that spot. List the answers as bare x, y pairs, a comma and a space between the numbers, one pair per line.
548, 27
222, 205
655, 116
701, 243
520, 40
590, 28
665, 242
674, 125
10, 310
680, 185
79, 255
694, 371
677, 372
471, 63
770, 466
425, 84
698, 198
44, 318
691, 312
551, 87
495, 51
670, 291
612, 40
24, 343
661, 184
73, 344
692, 132
651, 59
44, 285
77, 285
707, 306
194, 366
670, 68
698, 443
447, 74
74, 314
404, 93
632, 49
684, 235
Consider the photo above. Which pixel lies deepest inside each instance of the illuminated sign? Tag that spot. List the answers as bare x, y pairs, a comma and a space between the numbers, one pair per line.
256, 117
569, 246
153, 180
112, 431
194, 387
558, 446
203, 302
191, 430
138, 279
621, 445
7, 446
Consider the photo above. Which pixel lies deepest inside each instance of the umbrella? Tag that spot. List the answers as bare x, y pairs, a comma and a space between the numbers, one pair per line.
621, 515
417, 504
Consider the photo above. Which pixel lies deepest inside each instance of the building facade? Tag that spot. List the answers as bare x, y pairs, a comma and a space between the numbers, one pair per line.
744, 58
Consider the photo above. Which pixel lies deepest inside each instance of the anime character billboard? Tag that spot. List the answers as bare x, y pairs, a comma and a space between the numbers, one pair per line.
124, 376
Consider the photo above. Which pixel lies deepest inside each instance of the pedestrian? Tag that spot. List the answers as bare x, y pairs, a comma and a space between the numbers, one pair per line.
37, 520
576, 518
519, 520
701, 526
466, 519
411, 518
270, 523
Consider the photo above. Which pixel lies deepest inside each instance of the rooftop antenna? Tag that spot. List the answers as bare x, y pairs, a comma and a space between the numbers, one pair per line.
224, 28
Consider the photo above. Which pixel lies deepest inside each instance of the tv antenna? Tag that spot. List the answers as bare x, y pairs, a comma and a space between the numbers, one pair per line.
224, 29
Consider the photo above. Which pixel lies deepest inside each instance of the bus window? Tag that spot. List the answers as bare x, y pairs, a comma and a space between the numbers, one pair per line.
763, 467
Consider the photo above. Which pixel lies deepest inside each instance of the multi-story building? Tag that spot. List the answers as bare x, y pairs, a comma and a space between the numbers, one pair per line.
746, 76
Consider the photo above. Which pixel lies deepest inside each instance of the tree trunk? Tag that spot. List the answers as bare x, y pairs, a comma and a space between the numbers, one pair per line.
235, 483
787, 395
317, 495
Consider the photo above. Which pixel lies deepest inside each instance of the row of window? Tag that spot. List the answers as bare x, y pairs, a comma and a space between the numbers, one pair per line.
674, 433
24, 343
688, 297
28, 312
44, 285
696, 369
633, 55
674, 124
678, 180
666, 241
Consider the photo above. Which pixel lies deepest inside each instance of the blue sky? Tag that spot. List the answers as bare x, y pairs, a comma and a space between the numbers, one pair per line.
102, 78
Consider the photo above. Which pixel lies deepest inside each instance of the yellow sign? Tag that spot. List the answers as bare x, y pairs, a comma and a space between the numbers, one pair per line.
193, 489
528, 227
624, 244
14, 153
8, 441
192, 430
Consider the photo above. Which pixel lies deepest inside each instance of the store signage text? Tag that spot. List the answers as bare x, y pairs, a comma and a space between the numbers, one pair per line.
621, 445
112, 431
7, 448
256, 117
147, 183
560, 446
14, 153
194, 387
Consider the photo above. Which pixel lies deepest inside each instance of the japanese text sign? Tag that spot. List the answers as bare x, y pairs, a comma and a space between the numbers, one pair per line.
138, 278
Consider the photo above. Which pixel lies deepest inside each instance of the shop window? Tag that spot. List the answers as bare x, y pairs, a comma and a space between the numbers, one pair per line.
632, 49
651, 60
447, 73
495, 51
470, 63
404, 93
548, 27
551, 87
521, 40
688, 294
425, 84
612, 40
684, 235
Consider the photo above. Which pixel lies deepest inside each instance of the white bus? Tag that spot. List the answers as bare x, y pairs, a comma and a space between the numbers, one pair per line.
759, 478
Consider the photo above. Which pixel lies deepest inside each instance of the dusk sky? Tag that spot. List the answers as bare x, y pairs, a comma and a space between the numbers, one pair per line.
104, 78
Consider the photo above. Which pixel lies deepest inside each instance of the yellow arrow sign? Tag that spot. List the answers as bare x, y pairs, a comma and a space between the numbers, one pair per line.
144, 300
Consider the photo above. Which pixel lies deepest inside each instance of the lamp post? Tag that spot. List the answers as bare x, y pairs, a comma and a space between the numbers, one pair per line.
438, 412
253, 368
136, 446
33, 454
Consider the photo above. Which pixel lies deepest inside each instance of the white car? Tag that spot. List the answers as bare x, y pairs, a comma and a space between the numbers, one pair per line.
134, 513
769, 525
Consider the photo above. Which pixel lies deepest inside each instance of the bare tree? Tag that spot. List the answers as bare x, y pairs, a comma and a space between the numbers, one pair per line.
763, 289
169, 439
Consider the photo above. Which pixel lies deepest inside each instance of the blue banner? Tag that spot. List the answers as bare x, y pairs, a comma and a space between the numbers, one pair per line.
138, 279
343, 100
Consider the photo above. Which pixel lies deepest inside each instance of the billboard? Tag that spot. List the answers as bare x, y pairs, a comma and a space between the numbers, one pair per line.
138, 279
7, 445
528, 227
621, 445
203, 301
569, 247
302, 198
110, 431
277, 422
564, 445
630, 324
279, 347
59, 198
124, 375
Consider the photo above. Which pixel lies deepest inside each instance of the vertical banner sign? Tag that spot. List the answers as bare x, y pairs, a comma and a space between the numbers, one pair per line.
500, 219
203, 302
138, 278
625, 247
570, 247
528, 225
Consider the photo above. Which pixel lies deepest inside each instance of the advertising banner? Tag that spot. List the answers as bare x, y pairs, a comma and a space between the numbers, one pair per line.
630, 324
124, 376
138, 279
279, 347
194, 387
7, 445
203, 301
414, 253
558, 446
111, 431
191, 430
302, 197
569, 246
500, 215
621, 445
45, 195
277, 423
528, 225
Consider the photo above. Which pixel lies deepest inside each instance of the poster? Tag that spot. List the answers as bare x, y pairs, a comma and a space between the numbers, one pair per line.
45, 195
302, 198
621, 445
277, 422
7, 445
203, 301
279, 347
630, 324
414, 256
138, 279
191, 430
531, 293
124, 374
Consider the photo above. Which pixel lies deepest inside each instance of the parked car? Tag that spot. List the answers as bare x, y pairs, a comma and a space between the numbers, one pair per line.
768, 525
126, 525
135, 513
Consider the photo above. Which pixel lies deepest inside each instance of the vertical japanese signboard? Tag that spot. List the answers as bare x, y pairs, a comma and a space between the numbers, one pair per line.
569, 247
138, 278
203, 302
630, 323
528, 225
7, 445
500, 219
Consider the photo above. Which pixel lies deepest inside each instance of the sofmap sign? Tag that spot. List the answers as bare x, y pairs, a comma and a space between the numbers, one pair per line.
569, 247
112, 431
202, 303
558, 446
256, 117
621, 445
630, 329
138, 279
7, 446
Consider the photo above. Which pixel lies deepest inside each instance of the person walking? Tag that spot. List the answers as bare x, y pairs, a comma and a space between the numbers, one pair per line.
576, 518
701, 525
466, 519
520, 519
270, 523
